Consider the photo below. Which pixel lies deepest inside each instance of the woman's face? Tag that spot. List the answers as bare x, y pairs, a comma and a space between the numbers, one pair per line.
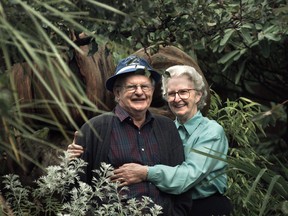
182, 97
135, 94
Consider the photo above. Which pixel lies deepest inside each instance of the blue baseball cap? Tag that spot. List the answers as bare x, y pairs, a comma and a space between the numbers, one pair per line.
131, 64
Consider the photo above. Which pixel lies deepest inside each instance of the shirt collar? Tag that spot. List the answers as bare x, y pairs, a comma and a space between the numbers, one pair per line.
122, 114
190, 125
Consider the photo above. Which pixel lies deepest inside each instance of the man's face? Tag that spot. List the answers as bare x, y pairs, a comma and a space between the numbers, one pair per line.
135, 94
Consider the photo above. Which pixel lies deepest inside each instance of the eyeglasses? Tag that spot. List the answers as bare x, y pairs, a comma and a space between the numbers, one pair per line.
133, 88
182, 93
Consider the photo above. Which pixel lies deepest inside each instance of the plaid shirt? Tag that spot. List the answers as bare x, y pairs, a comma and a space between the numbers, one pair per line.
130, 144
108, 147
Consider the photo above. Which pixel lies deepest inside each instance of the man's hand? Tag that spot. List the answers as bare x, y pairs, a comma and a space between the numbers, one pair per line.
73, 149
130, 173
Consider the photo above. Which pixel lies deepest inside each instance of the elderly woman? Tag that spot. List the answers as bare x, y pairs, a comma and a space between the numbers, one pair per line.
185, 92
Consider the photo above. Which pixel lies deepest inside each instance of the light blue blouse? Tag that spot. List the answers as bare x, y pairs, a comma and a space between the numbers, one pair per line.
205, 175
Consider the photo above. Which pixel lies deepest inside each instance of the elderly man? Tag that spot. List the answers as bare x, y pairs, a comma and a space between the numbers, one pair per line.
131, 134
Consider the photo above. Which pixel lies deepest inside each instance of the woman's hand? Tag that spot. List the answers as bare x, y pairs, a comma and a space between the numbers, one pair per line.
130, 173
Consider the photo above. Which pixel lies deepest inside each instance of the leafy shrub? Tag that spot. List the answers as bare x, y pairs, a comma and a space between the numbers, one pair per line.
255, 186
57, 194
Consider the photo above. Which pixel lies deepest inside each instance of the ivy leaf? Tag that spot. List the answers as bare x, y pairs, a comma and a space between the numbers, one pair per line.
246, 35
227, 36
227, 57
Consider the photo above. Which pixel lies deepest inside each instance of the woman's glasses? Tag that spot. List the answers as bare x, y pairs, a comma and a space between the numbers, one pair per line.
182, 93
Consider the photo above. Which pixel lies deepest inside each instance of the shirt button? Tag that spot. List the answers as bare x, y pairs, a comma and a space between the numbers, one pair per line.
142, 149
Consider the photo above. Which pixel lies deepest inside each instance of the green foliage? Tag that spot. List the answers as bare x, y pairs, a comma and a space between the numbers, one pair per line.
237, 117
272, 144
242, 48
255, 187
240, 45
57, 194
39, 34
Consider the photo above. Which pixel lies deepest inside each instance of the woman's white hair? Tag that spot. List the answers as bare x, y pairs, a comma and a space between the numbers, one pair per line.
193, 76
